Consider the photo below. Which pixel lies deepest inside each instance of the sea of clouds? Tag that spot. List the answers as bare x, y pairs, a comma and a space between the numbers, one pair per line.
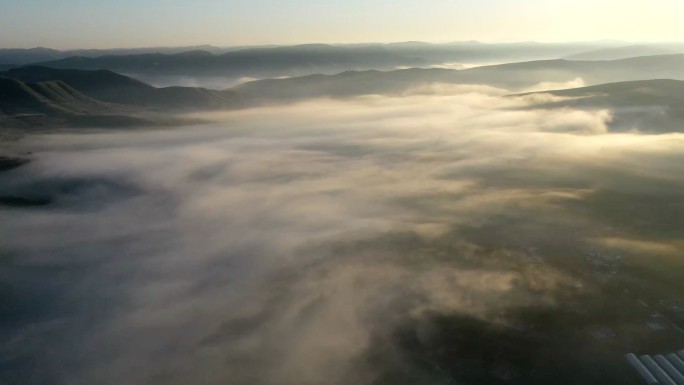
282, 244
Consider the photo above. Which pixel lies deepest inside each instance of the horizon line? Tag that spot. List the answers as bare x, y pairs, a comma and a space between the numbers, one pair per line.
274, 45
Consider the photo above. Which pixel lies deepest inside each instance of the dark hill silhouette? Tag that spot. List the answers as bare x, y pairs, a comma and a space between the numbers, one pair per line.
52, 98
55, 103
43, 97
30, 55
111, 87
23, 56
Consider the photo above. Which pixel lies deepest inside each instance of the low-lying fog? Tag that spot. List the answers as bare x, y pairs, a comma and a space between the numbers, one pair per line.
295, 244
210, 82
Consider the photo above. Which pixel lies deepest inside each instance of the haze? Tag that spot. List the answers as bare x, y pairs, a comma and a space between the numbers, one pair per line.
260, 253
129, 23
347, 193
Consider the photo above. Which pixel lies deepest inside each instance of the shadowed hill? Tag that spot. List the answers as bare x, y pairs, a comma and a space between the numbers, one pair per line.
55, 103
45, 97
52, 97
111, 87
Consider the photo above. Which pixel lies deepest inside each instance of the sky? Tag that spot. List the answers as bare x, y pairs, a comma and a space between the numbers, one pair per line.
65, 24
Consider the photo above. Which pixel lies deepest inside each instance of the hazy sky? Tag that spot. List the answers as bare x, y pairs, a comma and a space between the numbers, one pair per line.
135, 23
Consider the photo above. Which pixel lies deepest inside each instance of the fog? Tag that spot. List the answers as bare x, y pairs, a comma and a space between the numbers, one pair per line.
299, 244
209, 82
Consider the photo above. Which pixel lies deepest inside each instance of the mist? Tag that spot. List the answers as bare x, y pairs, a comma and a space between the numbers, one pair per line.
209, 82
325, 241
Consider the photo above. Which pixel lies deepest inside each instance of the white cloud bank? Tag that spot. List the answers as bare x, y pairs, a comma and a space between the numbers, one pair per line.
278, 245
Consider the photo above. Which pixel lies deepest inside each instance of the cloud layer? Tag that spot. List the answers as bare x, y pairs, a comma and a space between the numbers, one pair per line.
287, 245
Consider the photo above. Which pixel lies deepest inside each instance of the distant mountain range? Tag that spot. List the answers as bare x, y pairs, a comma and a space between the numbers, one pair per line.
258, 62
157, 65
518, 75
470, 50
621, 53
624, 52
22, 56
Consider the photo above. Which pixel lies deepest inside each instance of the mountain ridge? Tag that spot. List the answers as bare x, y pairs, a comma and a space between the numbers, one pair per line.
55, 103
112, 87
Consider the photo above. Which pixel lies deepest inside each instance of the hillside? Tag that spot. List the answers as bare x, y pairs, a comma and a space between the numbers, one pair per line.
55, 103
111, 87
346, 84
55, 97
649, 105
640, 92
